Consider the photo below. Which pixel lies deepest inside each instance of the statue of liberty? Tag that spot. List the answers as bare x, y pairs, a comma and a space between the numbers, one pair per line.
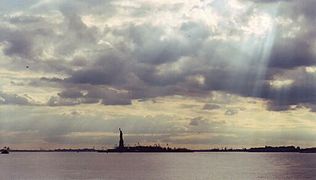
121, 143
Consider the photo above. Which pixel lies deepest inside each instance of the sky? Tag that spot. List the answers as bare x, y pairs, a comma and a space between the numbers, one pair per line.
189, 73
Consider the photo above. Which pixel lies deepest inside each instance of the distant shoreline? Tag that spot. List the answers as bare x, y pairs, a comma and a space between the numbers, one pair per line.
266, 149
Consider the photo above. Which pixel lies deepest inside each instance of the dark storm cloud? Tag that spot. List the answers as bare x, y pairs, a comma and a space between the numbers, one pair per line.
19, 43
71, 93
116, 101
90, 94
108, 69
289, 53
302, 90
296, 94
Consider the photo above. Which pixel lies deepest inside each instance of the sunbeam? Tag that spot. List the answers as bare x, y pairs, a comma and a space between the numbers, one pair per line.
261, 33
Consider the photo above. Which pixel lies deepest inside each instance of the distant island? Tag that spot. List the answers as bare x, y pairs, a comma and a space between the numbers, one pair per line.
279, 149
121, 148
154, 149
141, 149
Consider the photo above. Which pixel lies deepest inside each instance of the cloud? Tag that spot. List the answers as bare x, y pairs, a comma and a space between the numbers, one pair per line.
211, 106
198, 121
231, 112
201, 124
90, 95
178, 52
56, 101
14, 99
108, 69
291, 53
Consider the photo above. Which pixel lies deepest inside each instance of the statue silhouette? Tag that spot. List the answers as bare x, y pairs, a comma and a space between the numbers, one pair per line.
121, 142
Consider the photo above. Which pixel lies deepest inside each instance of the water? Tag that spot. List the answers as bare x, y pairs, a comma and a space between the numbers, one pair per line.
158, 166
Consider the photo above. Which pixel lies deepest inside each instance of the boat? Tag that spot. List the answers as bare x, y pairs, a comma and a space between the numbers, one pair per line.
5, 150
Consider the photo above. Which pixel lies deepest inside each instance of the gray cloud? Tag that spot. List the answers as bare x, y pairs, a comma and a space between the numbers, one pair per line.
90, 94
211, 106
203, 125
142, 59
231, 112
56, 101
14, 99
198, 121
291, 53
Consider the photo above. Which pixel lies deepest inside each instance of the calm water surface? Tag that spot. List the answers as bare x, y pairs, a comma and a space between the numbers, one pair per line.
155, 166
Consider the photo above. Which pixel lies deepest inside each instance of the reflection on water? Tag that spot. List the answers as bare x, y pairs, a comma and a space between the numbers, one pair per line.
158, 166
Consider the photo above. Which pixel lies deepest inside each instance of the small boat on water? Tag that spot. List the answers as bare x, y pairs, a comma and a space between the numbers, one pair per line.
5, 150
